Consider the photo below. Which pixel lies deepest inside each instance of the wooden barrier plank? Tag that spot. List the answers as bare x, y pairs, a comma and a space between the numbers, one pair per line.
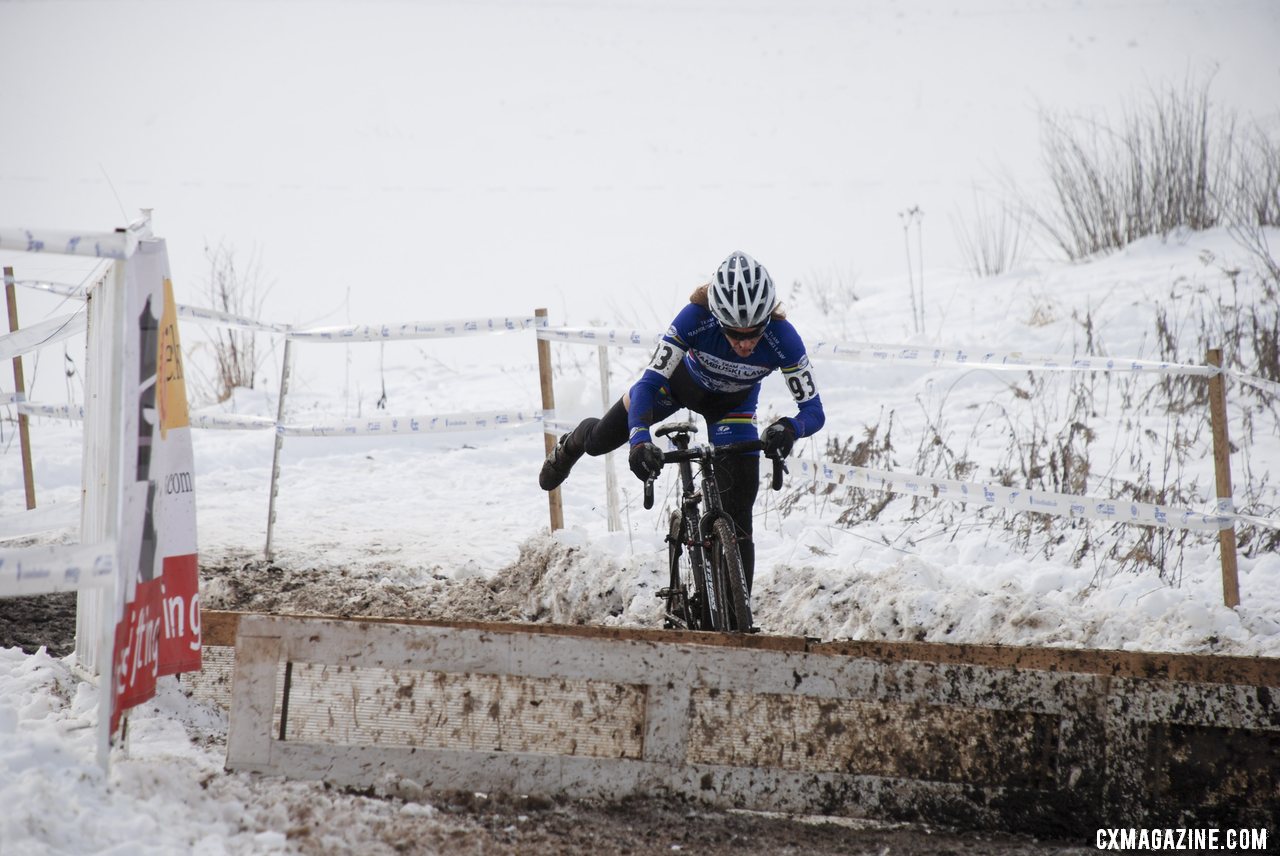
383, 707
893, 735
219, 628
253, 700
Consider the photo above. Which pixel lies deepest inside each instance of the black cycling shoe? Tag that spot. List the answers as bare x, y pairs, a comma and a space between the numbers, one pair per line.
555, 469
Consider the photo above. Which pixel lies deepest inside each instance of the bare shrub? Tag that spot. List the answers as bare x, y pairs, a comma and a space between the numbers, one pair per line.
1253, 238
992, 242
914, 215
1130, 437
1173, 162
1254, 183
833, 295
875, 451
237, 290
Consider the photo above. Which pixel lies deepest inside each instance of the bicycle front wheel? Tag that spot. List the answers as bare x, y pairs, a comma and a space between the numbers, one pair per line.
686, 601
730, 578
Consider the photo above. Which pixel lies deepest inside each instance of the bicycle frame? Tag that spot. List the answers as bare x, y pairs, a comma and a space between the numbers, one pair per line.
721, 601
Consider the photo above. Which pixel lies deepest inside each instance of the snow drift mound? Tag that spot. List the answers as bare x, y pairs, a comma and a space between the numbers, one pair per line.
553, 580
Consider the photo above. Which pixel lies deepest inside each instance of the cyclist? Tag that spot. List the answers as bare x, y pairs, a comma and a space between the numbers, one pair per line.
712, 359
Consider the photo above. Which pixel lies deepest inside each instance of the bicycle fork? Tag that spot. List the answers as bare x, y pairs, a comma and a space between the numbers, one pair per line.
696, 542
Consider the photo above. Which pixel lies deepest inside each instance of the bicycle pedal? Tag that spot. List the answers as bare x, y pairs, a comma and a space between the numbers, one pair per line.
663, 592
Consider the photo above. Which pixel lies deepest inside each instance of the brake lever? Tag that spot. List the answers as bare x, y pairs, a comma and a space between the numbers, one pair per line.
648, 493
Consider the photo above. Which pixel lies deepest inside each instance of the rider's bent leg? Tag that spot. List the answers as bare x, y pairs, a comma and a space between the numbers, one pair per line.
593, 436
739, 477
598, 436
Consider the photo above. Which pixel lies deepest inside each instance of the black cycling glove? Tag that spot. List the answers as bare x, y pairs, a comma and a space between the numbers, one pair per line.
646, 461
778, 438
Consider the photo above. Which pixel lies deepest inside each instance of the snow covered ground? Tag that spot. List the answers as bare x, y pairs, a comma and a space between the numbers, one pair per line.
429, 515
421, 162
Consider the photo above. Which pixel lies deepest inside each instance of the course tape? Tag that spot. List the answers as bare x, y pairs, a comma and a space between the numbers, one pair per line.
1018, 499
998, 360
1267, 522
73, 412
103, 245
230, 422
352, 333
556, 428
45, 333
479, 421
420, 330
601, 336
414, 424
1270, 387
931, 355
928, 355
49, 569
79, 292
227, 319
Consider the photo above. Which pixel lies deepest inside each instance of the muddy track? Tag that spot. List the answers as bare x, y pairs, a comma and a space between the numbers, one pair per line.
497, 824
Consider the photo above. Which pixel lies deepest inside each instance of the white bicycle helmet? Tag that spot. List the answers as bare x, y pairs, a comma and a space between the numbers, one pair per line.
741, 293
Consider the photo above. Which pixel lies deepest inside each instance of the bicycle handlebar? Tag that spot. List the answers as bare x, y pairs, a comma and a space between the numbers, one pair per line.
696, 454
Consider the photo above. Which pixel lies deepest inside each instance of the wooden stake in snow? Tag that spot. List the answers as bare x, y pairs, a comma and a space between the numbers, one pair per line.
20, 387
548, 406
1222, 469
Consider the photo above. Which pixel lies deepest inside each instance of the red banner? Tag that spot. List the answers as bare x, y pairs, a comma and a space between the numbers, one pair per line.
159, 634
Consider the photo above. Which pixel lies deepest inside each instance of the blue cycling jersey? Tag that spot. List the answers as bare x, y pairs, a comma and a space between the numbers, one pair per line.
696, 339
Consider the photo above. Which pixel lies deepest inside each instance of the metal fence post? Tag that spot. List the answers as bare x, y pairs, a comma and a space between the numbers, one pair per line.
285, 371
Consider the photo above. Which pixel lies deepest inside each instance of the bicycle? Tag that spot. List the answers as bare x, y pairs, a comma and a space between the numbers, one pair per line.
707, 588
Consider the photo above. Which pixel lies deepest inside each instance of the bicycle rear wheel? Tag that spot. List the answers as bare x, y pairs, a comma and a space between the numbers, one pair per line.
726, 563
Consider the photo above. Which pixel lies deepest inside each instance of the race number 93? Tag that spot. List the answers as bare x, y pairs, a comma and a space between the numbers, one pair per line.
802, 385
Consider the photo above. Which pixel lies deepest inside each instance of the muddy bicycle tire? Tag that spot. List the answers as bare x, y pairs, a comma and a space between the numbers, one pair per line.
735, 600
687, 603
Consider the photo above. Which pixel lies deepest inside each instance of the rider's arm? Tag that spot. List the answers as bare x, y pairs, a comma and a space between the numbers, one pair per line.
798, 374
666, 357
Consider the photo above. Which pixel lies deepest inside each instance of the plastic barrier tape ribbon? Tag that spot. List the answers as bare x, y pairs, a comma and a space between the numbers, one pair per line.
65, 567
1018, 499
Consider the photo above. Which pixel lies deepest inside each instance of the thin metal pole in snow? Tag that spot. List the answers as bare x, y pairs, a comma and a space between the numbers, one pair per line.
285, 371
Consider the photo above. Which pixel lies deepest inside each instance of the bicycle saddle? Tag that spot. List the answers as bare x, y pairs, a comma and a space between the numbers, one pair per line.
676, 428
